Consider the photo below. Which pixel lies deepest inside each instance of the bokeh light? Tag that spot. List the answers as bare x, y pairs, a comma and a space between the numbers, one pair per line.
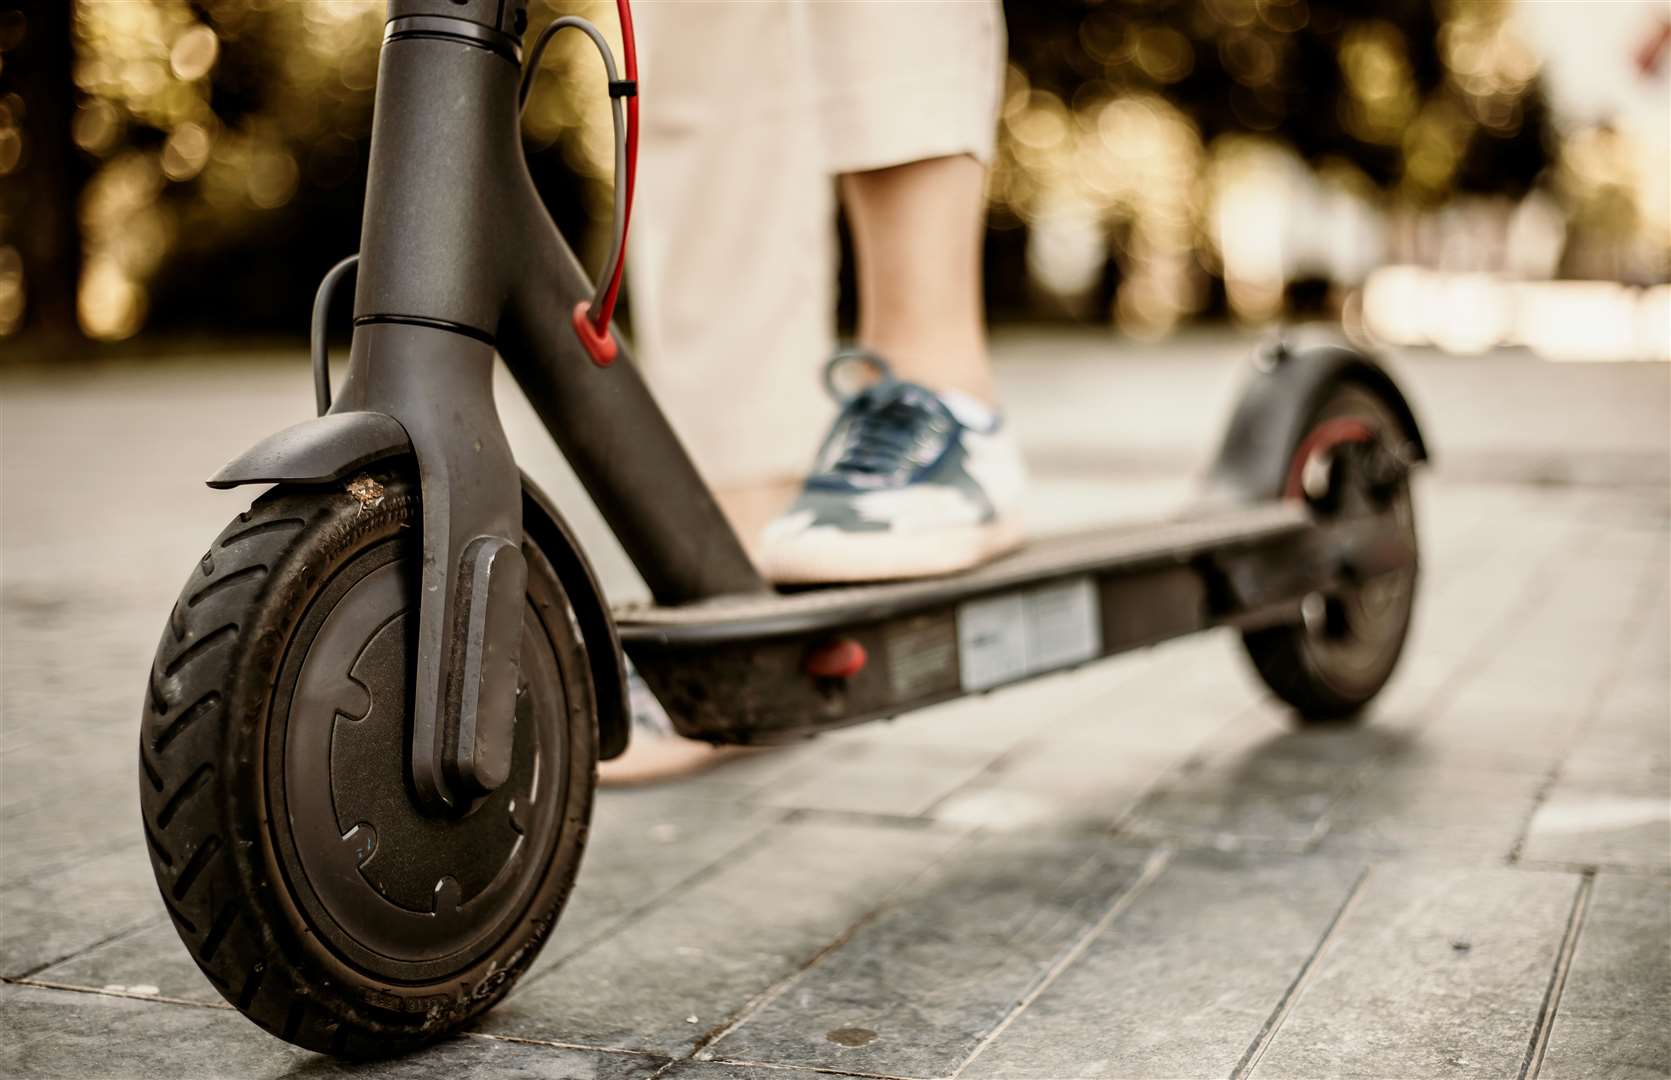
1157, 162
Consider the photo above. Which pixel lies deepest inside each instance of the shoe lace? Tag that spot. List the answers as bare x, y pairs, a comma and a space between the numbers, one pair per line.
885, 430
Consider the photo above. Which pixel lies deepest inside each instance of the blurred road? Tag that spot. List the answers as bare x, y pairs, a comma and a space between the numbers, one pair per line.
1138, 869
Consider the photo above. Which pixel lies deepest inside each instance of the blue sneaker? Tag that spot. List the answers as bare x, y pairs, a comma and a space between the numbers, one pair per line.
909, 483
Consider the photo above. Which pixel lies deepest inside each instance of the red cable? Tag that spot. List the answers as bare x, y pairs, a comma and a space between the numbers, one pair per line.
629, 56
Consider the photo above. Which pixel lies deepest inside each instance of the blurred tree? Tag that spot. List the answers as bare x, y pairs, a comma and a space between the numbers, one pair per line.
40, 241
1331, 78
195, 165
1183, 130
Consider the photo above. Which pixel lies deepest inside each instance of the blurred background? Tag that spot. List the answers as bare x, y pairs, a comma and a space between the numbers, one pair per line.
1461, 174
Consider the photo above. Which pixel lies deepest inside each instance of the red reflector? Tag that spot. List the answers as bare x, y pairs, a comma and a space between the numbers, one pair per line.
839, 659
599, 346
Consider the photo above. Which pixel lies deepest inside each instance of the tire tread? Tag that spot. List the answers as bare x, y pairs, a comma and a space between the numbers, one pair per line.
222, 620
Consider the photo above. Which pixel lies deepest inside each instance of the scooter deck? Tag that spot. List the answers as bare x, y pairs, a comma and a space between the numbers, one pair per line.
1090, 551
752, 669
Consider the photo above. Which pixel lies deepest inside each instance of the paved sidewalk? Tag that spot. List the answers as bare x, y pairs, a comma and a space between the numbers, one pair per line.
1137, 869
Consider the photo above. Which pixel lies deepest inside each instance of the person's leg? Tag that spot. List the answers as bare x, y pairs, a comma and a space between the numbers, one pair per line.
919, 474
731, 269
731, 278
917, 231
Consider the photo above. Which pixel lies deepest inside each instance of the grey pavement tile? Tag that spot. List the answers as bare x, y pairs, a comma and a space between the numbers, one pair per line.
1266, 786
642, 843
69, 911
1609, 1048
1158, 722
46, 765
1422, 804
149, 960
731, 1070
1621, 747
1432, 972
1620, 820
1062, 783
47, 837
912, 991
868, 778
1001, 721
1179, 694
1270, 735
1522, 584
1088, 772
746, 776
689, 966
79, 1036
1094, 760
71, 642
1612, 1016
1536, 683
1182, 982
1499, 739
1629, 733
1641, 692
1621, 962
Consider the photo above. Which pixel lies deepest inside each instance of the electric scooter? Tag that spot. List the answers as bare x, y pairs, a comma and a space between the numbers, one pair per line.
370, 735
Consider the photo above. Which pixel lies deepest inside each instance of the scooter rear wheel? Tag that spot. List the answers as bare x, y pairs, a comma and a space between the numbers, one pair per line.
298, 868
1333, 662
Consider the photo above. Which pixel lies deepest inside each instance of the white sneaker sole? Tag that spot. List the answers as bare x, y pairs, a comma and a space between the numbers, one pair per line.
830, 556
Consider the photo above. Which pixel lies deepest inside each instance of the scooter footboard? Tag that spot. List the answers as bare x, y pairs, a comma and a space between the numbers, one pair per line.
762, 670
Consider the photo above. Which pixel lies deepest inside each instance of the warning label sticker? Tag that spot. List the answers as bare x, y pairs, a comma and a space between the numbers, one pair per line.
1009, 637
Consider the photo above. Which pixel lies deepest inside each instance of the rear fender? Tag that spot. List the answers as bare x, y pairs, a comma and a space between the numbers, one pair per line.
1281, 397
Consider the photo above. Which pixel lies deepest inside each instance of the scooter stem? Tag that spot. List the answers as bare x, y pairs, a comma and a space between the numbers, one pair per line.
431, 285
457, 257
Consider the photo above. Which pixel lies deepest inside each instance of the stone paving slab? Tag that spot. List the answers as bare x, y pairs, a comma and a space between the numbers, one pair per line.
1612, 1019
72, 910
1526, 737
77, 1036
1431, 972
1058, 785
912, 990
1140, 1002
149, 961
869, 778
1001, 723
643, 844
1423, 804
46, 838
701, 1070
1620, 821
685, 969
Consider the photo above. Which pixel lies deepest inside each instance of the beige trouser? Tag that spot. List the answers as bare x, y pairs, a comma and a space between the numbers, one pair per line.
749, 110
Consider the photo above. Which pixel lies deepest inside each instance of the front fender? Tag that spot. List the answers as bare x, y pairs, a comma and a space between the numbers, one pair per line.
328, 448
317, 451
1281, 397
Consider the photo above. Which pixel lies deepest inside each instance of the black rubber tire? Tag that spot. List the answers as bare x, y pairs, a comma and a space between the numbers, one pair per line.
1285, 657
204, 785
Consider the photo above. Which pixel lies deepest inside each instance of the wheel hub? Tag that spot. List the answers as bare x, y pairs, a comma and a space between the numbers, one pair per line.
1346, 469
392, 888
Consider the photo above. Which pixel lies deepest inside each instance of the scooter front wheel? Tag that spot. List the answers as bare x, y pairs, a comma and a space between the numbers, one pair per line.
299, 870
